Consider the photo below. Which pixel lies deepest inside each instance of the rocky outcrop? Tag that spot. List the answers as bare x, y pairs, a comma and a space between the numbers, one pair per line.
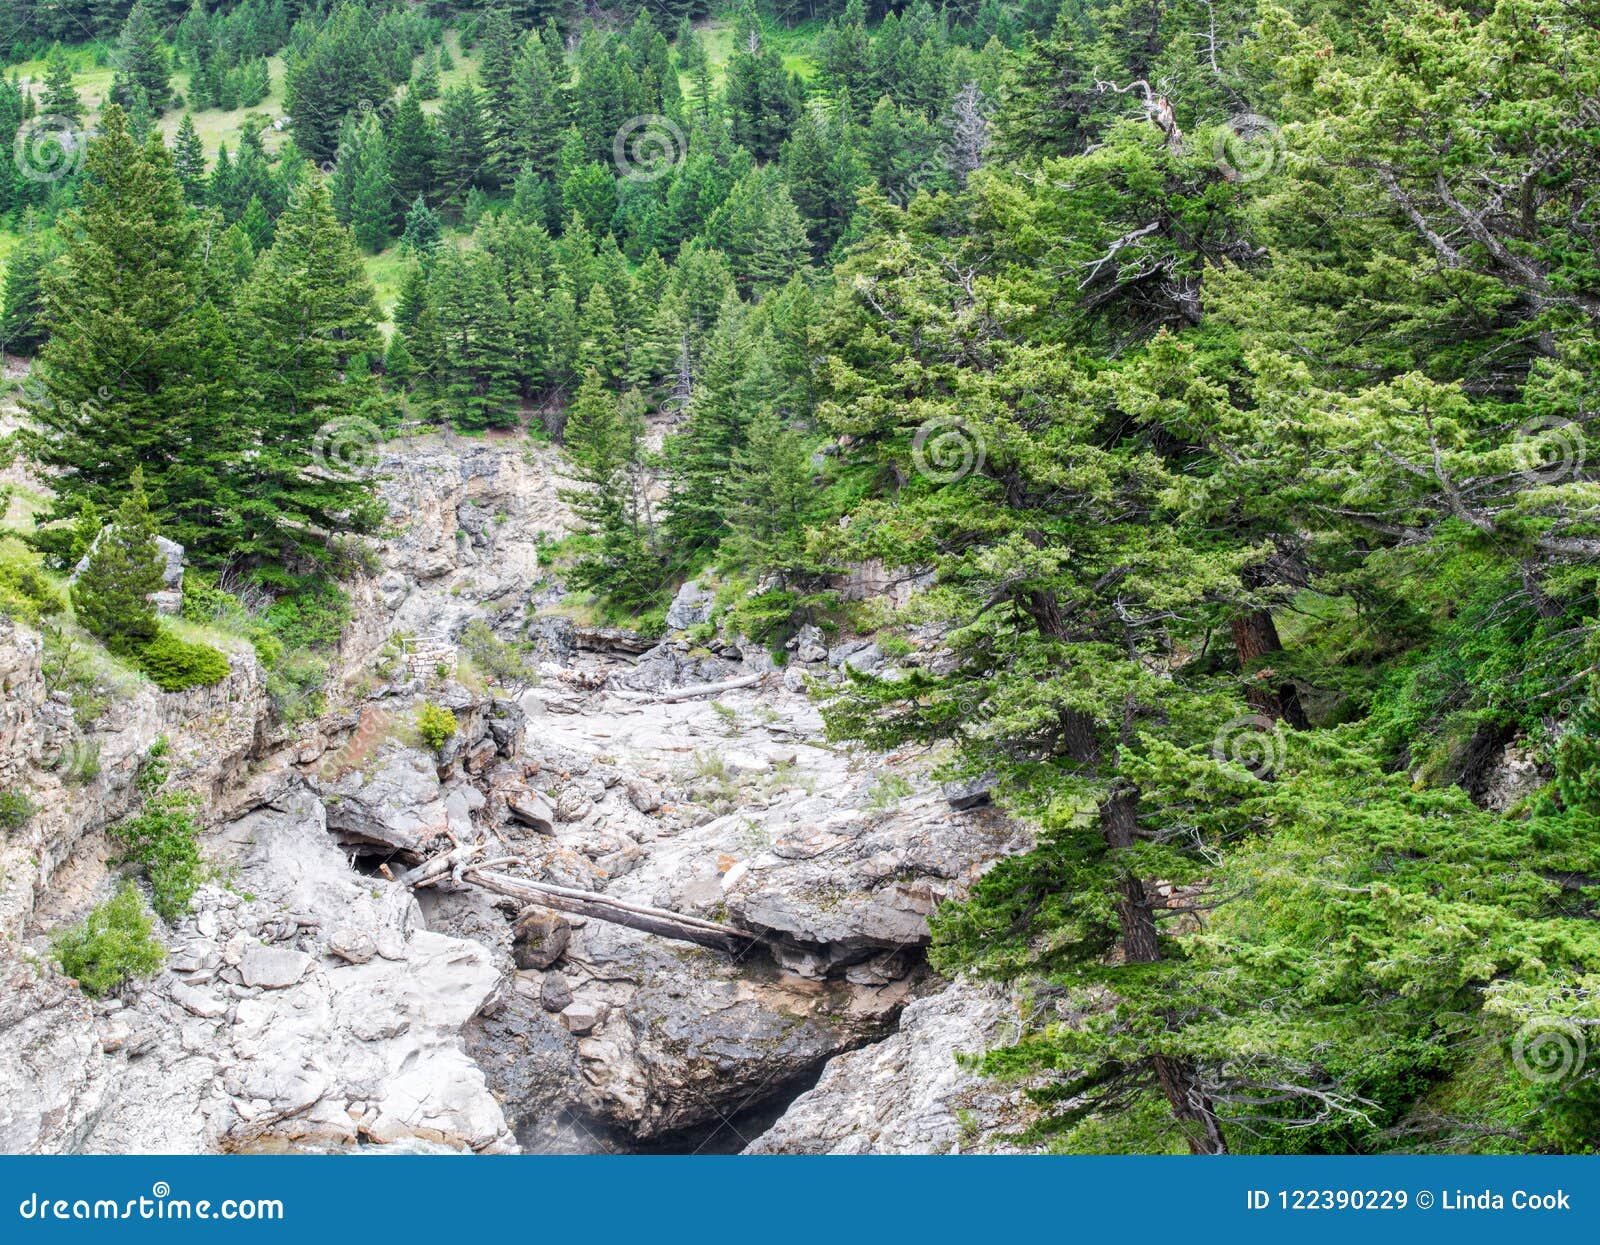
318, 1011
910, 1094
80, 777
52, 1075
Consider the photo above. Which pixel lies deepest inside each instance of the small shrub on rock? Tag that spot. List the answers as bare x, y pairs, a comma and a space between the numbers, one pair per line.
435, 725
175, 665
113, 945
16, 809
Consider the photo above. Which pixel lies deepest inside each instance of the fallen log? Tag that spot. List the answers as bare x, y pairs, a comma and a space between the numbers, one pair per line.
603, 907
710, 689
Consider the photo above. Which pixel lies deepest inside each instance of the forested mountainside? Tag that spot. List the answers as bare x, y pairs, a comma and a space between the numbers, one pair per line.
1218, 377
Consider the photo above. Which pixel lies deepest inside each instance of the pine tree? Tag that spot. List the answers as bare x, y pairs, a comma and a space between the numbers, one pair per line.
476, 375
497, 81
189, 161
774, 501
360, 188
760, 99
413, 150
109, 387
604, 440
337, 70
111, 597
601, 349
425, 84
822, 173
422, 229
760, 231
308, 313
22, 328
700, 454
141, 62
372, 198
60, 99
536, 111
464, 151
196, 42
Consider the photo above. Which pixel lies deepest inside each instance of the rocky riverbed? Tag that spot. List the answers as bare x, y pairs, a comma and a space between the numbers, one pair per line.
313, 999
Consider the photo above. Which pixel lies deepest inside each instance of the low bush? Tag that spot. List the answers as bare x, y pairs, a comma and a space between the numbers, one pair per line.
71, 665
435, 725
113, 945
26, 593
176, 665
164, 841
16, 809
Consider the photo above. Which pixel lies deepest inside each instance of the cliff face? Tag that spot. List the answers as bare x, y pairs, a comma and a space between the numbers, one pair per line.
311, 999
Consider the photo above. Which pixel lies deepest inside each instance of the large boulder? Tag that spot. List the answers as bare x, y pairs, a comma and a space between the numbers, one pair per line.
690, 608
910, 1094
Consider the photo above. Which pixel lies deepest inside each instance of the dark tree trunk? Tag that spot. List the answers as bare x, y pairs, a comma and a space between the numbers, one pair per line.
1255, 636
1191, 1106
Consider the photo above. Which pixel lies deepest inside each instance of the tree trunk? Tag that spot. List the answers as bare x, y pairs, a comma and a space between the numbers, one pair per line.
1255, 636
1191, 1106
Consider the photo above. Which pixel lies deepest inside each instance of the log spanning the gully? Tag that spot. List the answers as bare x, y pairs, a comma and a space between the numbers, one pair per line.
458, 864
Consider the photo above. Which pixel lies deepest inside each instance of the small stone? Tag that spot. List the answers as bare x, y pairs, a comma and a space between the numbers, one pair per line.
273, 968
644, 795
572, 804
352, 945
969, 792
809, 644
746, 763
197, 1003
580, 1018
533, 810
555, 994
540, 940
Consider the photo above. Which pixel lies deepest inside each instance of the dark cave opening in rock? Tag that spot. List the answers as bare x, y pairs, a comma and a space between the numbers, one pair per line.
727, 1135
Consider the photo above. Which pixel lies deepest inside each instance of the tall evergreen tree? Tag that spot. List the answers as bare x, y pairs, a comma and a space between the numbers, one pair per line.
464, 152
22, 320
60, 97
141, 62
189, 160
113, 388
309, 317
